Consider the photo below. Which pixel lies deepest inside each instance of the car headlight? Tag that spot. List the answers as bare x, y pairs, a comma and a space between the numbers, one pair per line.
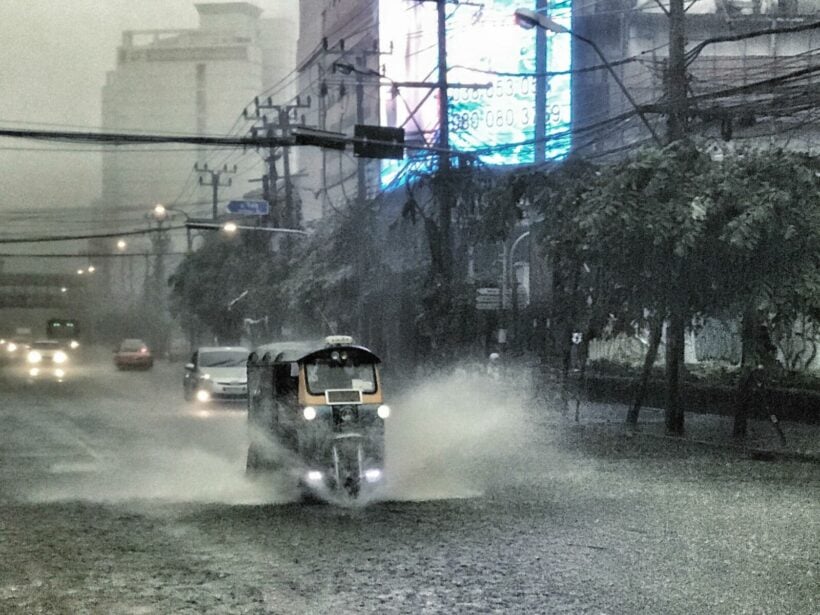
74, 344
383, 411
59, 373
11, 347
205, 376
34, 357
60, 357
203, 395
309, 413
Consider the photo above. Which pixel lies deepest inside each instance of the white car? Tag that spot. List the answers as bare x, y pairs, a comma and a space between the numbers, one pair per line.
47, 358
217, 373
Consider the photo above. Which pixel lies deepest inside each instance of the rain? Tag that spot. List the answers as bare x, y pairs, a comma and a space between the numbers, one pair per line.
409, 306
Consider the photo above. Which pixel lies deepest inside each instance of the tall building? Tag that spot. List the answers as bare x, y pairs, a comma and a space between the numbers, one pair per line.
183, 82
742, 87
334, 33
191, 82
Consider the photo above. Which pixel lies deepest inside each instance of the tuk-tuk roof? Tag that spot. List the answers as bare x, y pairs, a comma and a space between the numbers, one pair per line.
355, 352
285, 352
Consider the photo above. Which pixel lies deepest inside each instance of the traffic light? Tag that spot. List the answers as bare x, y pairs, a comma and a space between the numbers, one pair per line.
378, 142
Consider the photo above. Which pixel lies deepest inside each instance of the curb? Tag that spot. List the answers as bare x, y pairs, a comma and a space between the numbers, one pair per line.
758, 454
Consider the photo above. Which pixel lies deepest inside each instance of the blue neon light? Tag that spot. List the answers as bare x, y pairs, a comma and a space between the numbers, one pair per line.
497, 124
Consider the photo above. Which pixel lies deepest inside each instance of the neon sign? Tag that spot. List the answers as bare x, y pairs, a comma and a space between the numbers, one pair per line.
484, 45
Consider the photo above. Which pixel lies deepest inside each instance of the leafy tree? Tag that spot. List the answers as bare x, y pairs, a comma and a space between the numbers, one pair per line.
223, 283
768, 241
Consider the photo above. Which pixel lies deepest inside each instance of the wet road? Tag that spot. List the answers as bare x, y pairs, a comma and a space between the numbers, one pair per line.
118, 497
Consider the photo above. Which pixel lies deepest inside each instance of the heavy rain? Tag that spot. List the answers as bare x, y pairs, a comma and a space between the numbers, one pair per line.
410, 306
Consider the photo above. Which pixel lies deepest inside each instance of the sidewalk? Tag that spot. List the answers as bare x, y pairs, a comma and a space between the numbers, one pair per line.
802, 442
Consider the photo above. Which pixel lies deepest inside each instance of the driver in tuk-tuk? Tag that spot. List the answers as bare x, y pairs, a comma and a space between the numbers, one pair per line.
335, 376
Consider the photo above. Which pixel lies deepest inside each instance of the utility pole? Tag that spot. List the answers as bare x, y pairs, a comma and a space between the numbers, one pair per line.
539, 155
676, 73
289, 217
215, 182
676, 131
445, 198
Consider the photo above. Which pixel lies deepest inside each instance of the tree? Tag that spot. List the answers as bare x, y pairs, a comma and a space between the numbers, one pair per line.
768, 240
223, 283
669, 234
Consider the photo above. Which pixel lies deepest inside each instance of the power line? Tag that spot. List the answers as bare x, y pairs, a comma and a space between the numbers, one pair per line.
52, 238
89, 254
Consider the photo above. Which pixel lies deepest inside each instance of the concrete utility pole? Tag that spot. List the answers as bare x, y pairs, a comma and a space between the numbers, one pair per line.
215, 182
283, 126
677, 129
676, 73
445, 199
540, 88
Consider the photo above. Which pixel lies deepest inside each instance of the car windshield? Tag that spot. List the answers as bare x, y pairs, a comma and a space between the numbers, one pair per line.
324, 375
132, 345
223, 358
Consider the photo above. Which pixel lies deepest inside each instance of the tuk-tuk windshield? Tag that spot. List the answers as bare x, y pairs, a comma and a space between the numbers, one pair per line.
323, 375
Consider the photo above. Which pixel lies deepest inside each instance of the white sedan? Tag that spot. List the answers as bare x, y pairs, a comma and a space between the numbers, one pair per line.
47, 358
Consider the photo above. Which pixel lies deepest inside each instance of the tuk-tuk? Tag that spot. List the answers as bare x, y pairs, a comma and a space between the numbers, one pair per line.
319, 414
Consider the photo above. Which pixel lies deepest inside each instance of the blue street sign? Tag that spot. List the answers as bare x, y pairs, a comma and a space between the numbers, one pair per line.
249, 208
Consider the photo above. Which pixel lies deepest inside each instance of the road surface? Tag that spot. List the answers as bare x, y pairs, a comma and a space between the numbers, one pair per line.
118, 497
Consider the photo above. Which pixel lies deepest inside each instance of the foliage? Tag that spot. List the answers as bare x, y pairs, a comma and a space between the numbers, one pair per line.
669, 233
225, 282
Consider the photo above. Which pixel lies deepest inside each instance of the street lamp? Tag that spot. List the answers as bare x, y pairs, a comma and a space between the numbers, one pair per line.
161, 213
121, 245
232, 227
529, 18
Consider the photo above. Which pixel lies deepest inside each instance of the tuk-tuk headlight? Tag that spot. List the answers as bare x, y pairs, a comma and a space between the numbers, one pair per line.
203, 395
309, 413
34, 357
383, 411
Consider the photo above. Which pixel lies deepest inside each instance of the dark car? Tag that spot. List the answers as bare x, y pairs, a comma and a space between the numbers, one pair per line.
133, 354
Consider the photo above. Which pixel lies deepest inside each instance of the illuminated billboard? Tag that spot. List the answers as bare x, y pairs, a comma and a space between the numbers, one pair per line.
485, 48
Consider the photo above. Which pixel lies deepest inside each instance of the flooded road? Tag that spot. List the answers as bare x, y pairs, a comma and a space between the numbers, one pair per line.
117, 496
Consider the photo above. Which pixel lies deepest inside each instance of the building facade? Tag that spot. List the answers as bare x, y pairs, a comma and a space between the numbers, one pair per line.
190, 82
334, 35
201, 81
755, 89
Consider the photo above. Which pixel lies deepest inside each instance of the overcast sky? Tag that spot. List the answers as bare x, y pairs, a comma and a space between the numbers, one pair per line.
54, 55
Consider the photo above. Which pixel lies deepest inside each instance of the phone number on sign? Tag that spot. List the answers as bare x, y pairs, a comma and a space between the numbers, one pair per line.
500, 118
523, 87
